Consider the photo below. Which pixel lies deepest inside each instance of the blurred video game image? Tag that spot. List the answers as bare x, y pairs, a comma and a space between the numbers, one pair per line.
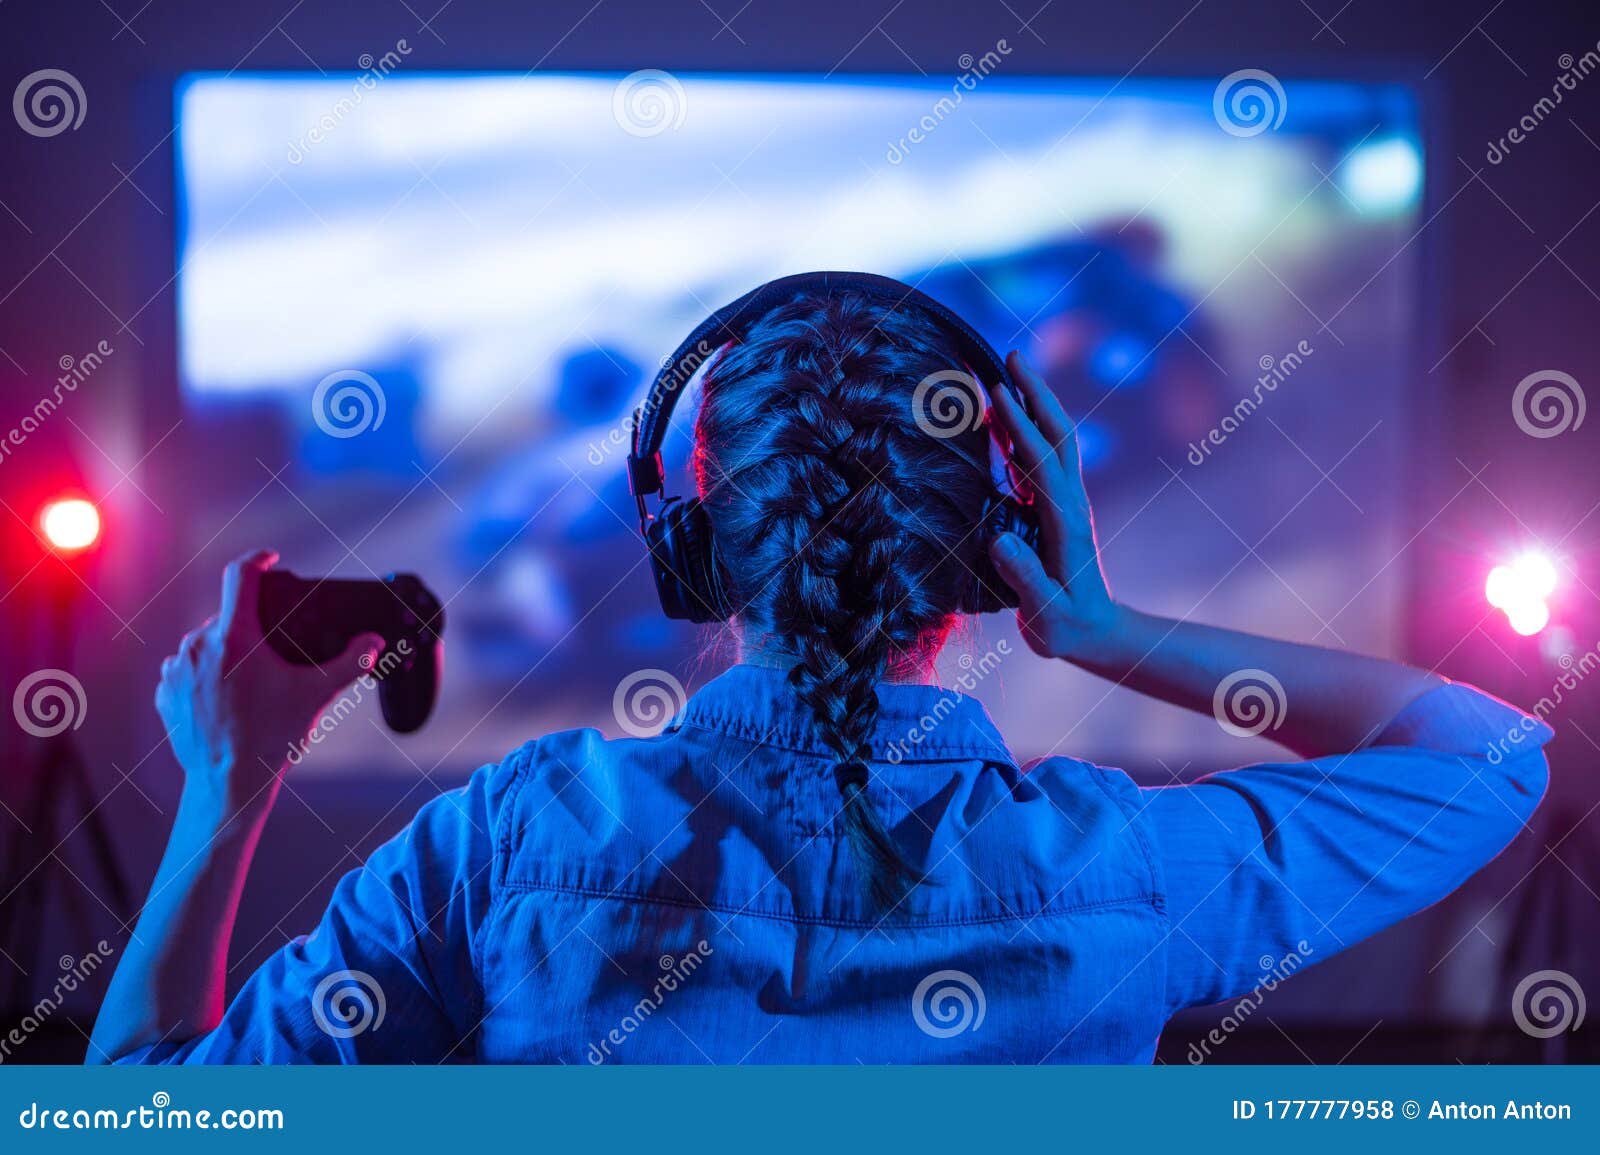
420, 349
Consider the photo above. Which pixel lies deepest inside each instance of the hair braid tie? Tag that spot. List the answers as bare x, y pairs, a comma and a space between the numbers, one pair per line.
848, 774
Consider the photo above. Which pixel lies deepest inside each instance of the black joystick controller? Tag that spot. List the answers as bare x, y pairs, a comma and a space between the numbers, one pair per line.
308, 621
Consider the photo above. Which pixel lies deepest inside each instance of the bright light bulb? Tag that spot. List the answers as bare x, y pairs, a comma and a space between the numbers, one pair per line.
1500, 588
1521, 589
71, 524
1528, 617
1537, 574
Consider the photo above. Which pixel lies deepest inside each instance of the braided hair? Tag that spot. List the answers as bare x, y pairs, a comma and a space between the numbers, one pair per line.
843, 524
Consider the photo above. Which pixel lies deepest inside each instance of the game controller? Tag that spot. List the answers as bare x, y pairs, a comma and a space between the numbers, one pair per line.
308, 621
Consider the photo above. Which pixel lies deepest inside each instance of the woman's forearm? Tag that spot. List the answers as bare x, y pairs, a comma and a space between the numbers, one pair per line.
1332, 701
233, 710
169, 984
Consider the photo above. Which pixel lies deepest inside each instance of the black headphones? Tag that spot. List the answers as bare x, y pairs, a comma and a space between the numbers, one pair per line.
688, 576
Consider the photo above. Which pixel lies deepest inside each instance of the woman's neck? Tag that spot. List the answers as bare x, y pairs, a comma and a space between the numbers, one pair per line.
762, 650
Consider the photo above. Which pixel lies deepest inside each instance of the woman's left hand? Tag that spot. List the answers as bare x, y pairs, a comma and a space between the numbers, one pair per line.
1066, 608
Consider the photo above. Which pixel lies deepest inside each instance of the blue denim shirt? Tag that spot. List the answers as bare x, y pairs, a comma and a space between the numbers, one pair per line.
686, 898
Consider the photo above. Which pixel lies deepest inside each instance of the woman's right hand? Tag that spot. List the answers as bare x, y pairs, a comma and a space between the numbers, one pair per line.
1326, 701
1065, 607
233, 708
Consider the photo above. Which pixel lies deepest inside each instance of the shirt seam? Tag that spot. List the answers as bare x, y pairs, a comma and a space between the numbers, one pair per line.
1151, 899
784, 740
1135, 820
1158, 881
520, 759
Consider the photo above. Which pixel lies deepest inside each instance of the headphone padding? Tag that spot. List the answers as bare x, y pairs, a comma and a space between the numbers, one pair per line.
683, 563
989, 592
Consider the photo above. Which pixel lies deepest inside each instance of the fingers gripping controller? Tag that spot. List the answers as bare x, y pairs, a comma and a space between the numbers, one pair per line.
309, 621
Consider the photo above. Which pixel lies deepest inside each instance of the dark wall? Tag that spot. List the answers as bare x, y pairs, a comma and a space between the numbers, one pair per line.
88, 218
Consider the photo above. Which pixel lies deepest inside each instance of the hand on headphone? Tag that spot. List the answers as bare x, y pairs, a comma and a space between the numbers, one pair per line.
1065, 606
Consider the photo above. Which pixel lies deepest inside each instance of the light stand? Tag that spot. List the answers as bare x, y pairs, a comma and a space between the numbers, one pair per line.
59, 787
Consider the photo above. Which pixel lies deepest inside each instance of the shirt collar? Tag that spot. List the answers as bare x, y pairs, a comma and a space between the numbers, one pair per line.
916, 723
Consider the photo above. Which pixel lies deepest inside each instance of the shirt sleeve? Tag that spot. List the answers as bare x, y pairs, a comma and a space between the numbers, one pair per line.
389, 973
1269, 868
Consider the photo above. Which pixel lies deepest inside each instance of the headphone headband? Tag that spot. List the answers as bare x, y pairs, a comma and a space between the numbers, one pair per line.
731, 324
678, 535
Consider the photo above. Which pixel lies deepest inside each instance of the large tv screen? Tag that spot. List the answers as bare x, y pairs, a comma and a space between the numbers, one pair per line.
415, 313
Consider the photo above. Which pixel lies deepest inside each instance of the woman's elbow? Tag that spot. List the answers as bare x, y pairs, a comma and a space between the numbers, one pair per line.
1527, 778
1509, 791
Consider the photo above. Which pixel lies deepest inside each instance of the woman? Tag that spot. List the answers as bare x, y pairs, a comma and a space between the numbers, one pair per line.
762, 882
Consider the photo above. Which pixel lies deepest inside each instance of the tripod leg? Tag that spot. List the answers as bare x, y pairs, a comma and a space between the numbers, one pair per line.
28, 890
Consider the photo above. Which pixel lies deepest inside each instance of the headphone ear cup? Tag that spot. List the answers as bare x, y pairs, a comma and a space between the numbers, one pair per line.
688, 579
989, 592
